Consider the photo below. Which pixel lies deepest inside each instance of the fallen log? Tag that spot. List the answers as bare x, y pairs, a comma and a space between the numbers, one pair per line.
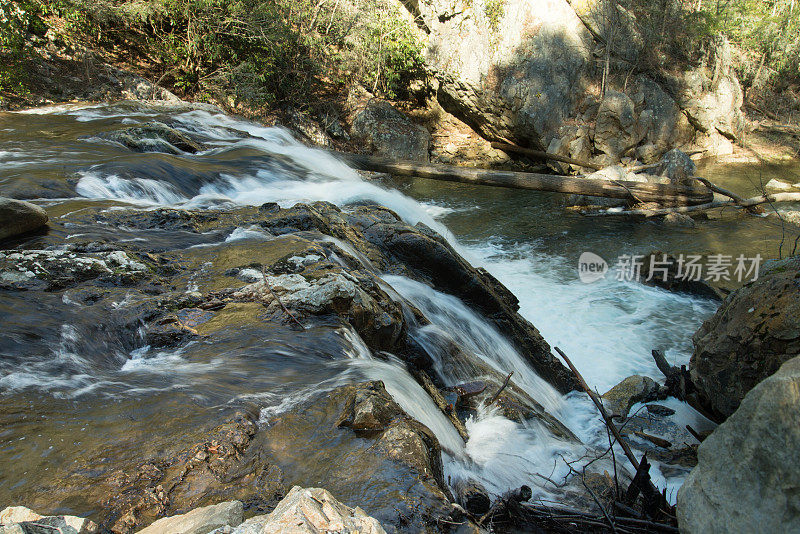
505, 147
744, 204
667, 194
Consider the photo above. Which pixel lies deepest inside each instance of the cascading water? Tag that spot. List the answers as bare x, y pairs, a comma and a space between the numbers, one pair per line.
608, 328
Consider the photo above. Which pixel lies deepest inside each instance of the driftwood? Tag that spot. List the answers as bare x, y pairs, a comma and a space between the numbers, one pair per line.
667, 194
655, 501
505, 147
743, 203
679, 385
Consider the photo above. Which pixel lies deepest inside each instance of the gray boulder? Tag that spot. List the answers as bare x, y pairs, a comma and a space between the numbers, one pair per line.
389, 133
676, 166
755, 330
617, 128
310, 511
748, 469
200, 520
18, 217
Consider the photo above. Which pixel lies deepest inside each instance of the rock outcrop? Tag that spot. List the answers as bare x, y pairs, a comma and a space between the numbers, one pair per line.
748, 469
309, 511
524, 70
19, 217
619, 399
755, 330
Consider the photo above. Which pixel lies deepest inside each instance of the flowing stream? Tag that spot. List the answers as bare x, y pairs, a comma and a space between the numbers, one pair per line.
75, 381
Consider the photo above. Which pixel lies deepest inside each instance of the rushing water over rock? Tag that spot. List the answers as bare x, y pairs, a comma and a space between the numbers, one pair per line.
86, 370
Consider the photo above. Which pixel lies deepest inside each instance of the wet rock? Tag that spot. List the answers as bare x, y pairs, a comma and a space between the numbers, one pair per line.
748, 473
665, 271
389, 133
634, 389
58, 269
755, 330
311, 511
200, 520
21, 520
393, 466
154, 137
19, 217
227, 465
369, 407
676, 166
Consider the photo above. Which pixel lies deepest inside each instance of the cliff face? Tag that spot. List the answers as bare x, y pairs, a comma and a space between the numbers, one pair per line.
532, 71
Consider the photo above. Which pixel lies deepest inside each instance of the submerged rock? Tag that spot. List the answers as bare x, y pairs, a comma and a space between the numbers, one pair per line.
200, 520
227, 464
154, 137
748, 469
310, 511
21, 520
755, 330
19, 217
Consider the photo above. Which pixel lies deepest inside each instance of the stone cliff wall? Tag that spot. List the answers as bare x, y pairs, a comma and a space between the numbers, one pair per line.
531, 71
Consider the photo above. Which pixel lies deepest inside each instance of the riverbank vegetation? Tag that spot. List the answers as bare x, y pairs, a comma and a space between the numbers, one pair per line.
270, 53
262, 53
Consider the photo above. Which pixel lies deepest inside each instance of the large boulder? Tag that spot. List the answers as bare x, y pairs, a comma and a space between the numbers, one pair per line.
755, 330
19, 217
309, 511
387, 132
748, 469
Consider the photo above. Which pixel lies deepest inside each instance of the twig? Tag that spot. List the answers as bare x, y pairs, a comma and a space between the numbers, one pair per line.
648, 485
282, 305
499, 391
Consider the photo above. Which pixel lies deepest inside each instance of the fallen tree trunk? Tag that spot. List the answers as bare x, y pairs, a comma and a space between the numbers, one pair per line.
744, 203
673, 195
505, 147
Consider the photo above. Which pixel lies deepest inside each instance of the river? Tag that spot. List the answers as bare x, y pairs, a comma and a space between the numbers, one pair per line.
79, 384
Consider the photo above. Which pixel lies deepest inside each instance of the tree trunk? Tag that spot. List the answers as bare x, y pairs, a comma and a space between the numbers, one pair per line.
666, 194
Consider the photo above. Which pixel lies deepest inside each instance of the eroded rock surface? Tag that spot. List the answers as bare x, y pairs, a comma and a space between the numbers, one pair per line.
755, 330
18, 217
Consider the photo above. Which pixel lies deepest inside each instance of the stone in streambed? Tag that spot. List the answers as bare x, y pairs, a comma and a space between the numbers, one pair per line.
619, 399
200, 520
310, 511
748, 471
19, 217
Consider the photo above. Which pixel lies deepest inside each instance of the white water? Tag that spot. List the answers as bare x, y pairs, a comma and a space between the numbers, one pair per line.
607, 328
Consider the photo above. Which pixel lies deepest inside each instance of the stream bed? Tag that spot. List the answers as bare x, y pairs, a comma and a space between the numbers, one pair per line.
81, 390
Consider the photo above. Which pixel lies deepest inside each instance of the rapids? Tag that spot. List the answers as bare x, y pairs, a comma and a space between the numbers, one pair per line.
74, 380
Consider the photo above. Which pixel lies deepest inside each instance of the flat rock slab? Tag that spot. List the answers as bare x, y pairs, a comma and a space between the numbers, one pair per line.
200, 520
